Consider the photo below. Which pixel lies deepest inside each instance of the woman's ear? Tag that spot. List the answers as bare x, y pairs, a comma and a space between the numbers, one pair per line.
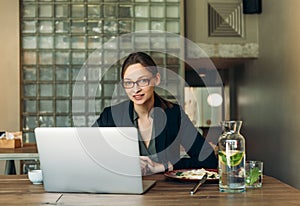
157, 79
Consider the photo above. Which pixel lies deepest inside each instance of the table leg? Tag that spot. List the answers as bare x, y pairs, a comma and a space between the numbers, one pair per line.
10, 168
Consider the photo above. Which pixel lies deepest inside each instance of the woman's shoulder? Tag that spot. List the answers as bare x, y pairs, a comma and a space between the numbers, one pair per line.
164, 103
113, 115
167, 104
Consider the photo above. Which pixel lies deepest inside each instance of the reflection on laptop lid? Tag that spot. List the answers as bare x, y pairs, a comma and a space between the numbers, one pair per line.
93, 160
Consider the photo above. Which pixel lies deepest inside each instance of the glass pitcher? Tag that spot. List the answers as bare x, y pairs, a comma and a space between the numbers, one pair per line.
231, 157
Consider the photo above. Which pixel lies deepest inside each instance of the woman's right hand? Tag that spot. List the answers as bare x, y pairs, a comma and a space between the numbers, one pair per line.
144, 165
149, 167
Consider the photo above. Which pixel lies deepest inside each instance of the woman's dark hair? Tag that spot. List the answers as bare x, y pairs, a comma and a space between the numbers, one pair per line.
142, 58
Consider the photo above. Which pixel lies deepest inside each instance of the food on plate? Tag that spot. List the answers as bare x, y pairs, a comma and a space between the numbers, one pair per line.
196, 174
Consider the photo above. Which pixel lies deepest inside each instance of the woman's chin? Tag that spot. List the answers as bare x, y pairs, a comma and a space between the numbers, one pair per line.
138, 102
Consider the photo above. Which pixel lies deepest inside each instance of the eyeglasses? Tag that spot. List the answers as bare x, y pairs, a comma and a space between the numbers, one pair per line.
141, 83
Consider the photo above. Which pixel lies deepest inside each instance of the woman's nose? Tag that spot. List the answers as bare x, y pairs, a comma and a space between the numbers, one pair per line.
136, 88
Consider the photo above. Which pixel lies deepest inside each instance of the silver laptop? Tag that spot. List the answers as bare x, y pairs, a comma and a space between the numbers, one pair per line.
91, 160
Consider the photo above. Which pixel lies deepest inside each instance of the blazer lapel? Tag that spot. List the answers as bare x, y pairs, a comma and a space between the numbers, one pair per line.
160, 125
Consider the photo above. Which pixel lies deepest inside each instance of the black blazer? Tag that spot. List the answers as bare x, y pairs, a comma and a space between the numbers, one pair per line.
172, 129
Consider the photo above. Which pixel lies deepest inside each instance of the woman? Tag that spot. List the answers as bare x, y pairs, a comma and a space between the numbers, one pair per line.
162, 125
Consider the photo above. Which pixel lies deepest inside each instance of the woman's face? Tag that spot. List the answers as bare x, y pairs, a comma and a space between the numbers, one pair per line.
138, 73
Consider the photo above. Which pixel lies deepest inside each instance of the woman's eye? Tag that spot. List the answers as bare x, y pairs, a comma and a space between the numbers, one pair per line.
128, 83
143, 81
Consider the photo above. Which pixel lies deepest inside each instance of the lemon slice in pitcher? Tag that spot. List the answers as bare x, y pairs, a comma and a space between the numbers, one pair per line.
233, 158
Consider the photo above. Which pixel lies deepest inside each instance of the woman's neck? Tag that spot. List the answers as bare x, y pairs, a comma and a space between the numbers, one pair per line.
144, 109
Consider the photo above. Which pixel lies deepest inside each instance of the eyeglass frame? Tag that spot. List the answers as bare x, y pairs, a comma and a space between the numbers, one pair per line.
137, 82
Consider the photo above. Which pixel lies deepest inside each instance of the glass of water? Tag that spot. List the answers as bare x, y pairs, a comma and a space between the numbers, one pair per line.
254, 174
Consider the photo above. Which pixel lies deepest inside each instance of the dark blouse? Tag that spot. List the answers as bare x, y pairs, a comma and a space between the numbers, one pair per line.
144, 151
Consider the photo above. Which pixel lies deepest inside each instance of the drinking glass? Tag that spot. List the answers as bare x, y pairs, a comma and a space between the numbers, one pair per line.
254, 174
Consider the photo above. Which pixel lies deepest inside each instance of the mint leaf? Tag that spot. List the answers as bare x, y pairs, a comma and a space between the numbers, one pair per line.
253, 176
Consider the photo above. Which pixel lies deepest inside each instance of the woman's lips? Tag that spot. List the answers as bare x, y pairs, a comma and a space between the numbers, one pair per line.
138, 96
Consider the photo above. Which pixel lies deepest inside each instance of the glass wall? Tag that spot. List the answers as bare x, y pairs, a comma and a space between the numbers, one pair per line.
60, 38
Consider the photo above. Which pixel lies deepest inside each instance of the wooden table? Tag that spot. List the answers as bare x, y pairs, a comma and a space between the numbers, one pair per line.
17, 190
27, 152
